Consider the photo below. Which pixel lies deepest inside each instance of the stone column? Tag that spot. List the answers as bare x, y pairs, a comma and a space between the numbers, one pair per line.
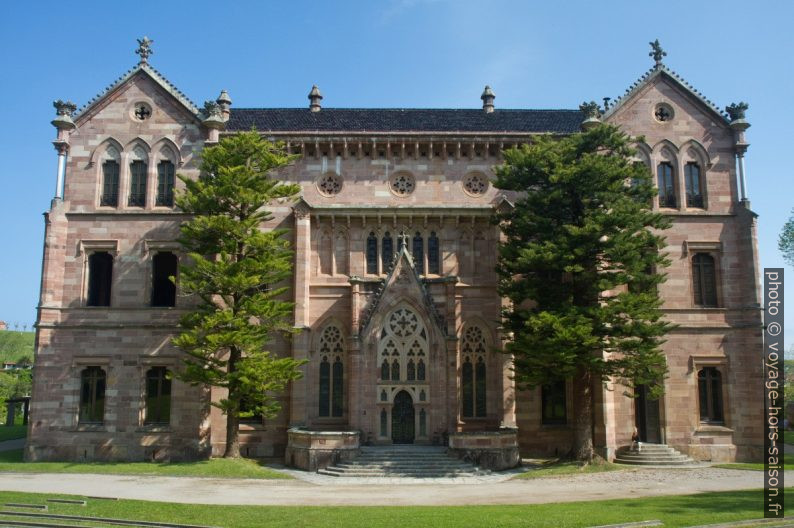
63, 122
299, 413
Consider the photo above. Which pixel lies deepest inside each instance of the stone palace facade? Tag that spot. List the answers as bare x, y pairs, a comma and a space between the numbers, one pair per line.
394, 283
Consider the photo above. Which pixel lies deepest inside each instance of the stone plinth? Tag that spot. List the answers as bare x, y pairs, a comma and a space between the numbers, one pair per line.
312, 450
494, 450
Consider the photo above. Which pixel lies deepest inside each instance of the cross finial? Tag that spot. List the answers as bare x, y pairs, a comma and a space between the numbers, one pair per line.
144, 49
657, 52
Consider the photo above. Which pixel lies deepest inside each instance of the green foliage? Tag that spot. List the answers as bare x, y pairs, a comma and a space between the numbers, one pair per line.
786, 240
13, 384
16, 347
235, 272
578, 230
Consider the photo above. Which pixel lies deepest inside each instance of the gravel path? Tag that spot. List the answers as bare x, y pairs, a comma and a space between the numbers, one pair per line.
365, 492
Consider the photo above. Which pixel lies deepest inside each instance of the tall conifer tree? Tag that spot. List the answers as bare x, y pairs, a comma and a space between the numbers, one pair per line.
580, 264
234, 270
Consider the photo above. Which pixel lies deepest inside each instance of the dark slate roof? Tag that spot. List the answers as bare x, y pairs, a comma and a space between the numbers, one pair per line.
404, 120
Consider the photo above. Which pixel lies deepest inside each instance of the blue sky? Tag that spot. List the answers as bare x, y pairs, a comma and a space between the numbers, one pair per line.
389, 53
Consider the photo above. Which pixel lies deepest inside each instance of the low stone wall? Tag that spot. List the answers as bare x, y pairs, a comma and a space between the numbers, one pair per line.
494, 450
312, 450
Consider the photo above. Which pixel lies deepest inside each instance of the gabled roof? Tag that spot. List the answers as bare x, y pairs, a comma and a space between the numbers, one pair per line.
658, 70
153, 74
401, 120
403, 264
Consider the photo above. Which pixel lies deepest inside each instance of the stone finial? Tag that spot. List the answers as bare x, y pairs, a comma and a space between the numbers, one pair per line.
63, 118
657, 52
144, 49
592, 114
736, 110
314, 99
487, 99
225, 103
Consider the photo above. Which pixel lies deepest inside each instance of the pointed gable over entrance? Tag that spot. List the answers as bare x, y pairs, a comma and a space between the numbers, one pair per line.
402, 284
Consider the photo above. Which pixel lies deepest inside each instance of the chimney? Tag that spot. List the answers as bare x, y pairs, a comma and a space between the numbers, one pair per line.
224, 102
487, 99
314, 99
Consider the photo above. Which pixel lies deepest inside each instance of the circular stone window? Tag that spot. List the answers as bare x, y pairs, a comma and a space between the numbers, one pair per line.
330, 184
663, 112
141, 111
402, 183
475, 184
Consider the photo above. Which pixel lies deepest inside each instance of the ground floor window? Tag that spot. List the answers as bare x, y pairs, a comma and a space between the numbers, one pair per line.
92, 395
158, 396
553, 408
710, 395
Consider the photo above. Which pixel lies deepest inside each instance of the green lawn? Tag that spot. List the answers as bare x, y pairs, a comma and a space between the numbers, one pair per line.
683, 510
13, 432
215, 468
569, 467
788, 437
788, 462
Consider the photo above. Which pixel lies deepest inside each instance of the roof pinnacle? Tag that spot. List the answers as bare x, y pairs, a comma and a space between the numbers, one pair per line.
144, 49
487, 99
314, 99
657, 52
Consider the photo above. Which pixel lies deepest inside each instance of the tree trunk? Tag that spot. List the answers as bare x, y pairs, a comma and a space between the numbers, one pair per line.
233, 414
582, 448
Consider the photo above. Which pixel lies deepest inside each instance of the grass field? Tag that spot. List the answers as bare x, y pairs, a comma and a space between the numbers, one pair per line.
570, 467
788, 462
683, 510
16, 345
215, 468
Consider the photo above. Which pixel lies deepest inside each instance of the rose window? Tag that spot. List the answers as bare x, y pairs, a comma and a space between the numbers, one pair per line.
330, 184
403, 184
475, 184
403, 323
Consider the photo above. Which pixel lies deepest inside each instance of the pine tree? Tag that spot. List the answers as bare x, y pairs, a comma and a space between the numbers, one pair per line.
234, 271
580, 263
785, 242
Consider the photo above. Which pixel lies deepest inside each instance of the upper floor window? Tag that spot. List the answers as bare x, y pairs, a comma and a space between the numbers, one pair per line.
137, 183
710, 395
372, 254
110, 183
158, 396
694, 185
433, 260
704, 280
165, 183
92, 396
164, 266
387, 250
100, 277
418, 253
553, 407
666, 183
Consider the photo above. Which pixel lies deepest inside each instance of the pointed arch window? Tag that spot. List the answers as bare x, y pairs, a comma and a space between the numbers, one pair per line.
387, 251
418, 253
474, 374
395, 370
110, 184
666, 183
420, 370
166, 177
694, 185
433, 256
704, 280
411, 371
331, 376
372, 254
138, 170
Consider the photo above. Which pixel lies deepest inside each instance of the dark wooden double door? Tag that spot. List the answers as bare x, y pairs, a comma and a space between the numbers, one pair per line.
646, 416
402, 419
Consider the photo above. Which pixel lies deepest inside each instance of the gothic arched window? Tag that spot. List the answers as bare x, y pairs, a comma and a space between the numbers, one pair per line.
331, 378
694, 185
165, 183
411, 371
110, 183
372, 254
418, 253
433, 261
473, 374
387, 250
666, 183
138, 174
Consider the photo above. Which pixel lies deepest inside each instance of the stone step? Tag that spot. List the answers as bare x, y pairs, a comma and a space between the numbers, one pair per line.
410, 474
403, 461
652, 455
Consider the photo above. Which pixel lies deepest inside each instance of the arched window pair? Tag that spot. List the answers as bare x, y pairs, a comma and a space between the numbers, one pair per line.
473, 374
331, 379
139, 171
417, 248
667, 187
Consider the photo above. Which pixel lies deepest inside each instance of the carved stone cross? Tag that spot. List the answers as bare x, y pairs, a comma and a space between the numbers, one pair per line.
657, 52
144, 49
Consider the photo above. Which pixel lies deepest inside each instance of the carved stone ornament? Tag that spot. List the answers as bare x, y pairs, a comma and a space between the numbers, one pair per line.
212, 109
657, 52
144, 49
301, 210
736, 110
590, 110
64, 108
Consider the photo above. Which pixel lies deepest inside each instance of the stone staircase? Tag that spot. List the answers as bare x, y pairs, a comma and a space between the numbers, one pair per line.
652, 455
404, 461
